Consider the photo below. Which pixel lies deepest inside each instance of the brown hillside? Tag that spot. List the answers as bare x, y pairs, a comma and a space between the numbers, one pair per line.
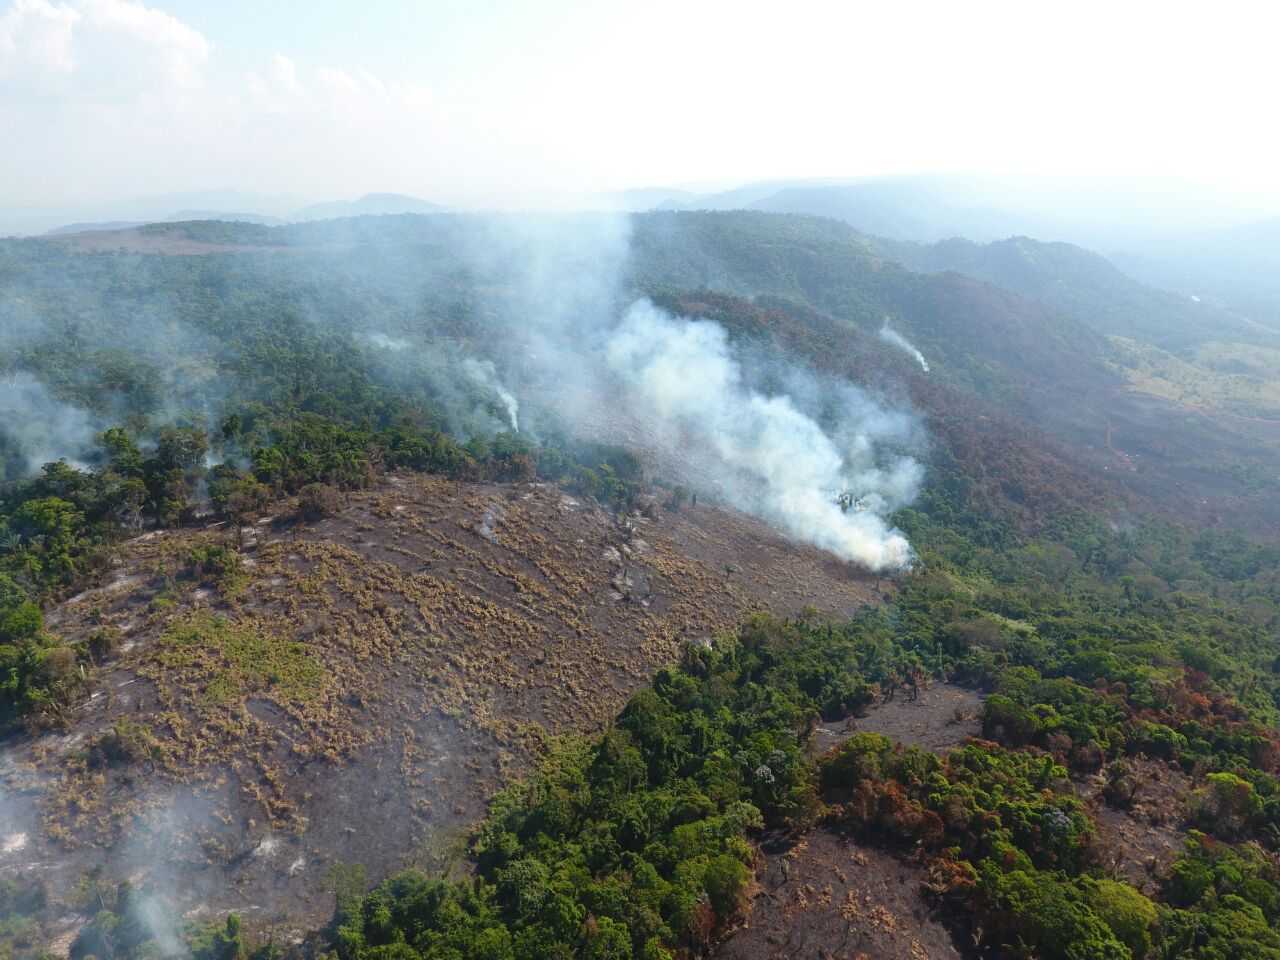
367, 680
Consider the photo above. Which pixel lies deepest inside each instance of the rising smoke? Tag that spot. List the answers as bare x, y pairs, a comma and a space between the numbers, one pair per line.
381, 341
889, 335
465, 390
542, 308
773, 459
39, 427
159, 921
484, 375
598, 364
85, 346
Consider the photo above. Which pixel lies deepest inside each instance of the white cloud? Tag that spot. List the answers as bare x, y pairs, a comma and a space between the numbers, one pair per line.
277, 79
92, 47
115, 97
177, 50
372, 133
37, 35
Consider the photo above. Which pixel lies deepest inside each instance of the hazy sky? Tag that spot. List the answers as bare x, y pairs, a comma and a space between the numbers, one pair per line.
504, 102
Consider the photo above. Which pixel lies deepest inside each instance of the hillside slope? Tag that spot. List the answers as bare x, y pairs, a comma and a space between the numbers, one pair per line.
1085, 285
229, 715
358, 687
1191, 432
990, 351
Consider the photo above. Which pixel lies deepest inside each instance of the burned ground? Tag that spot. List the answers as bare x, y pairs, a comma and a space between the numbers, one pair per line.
942, 716
359, 687
1143, 836
831, 896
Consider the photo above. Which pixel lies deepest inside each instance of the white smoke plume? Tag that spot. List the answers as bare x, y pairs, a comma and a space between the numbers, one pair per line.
158, 919
382, 341
484, 375
463, 387
529, 306
41, 426
776, 461
597, 364
889, 335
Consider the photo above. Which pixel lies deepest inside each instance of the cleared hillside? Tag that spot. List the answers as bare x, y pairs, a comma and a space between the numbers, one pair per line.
358, 686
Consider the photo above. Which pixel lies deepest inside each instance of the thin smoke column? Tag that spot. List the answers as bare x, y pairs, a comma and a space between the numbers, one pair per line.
889, 335
484, 375
774, 459
450, 375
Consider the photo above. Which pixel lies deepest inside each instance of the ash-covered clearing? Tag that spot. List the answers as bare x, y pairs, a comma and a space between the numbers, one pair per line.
829, 898
1144, 837
941, 717
367, 682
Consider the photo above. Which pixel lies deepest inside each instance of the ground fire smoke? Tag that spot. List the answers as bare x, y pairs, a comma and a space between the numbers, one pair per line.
889, 335
483, 374
776, 460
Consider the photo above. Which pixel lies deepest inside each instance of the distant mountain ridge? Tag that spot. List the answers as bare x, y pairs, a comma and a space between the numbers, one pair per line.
182, 216
1204, 243
1103, 213
1083, 284
371, 204
259, 218
103, 227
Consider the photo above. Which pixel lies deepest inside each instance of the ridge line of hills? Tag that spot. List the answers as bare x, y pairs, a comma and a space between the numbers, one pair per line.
399, 604
371, 204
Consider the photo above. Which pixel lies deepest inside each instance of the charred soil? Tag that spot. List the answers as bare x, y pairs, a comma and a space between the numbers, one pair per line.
830, 896
362, 683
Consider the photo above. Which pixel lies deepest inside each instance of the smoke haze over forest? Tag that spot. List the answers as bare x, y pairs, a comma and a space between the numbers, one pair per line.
631, 481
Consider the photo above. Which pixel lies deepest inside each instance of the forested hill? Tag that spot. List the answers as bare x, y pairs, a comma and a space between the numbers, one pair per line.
237, 329
1086, 285
1069, 347
1117, 407
310, 536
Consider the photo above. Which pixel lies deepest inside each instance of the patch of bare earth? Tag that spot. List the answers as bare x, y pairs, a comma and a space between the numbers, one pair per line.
942, 716
1142, 839
368, 681
829, 896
